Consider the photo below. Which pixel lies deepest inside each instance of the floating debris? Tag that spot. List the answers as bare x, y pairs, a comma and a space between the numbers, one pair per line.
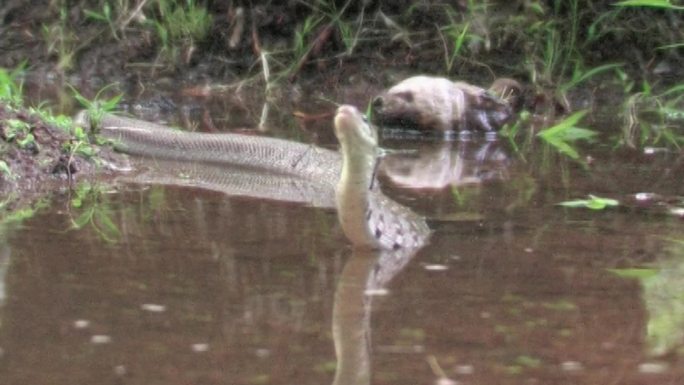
436, 267
654, 150
446, 381
677, 211
376, 292
100, 339
200, 348
464, 369
401, 349
653, 367
81, 324
120, 370
645, 196
571, 366
263, 353
153, 308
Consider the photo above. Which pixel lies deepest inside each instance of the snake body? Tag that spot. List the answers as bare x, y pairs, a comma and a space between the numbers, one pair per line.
139, 137
368, 218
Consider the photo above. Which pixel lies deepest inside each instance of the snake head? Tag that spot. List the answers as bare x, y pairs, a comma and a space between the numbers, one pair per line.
352, 128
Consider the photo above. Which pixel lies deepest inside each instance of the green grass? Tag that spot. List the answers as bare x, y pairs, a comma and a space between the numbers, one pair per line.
667, 4
98, 106
61, 40
11, 89
180, 26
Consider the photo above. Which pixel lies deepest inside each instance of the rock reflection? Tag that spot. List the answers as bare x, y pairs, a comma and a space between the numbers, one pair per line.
438, 165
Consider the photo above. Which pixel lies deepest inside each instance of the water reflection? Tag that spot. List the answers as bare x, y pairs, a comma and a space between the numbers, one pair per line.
443, 164
663, 291
432, 166
365, 275
234, 181
5, 253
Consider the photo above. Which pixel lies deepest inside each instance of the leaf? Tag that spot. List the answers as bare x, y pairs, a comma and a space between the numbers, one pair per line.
648, 3
4, 167
564, 148
564, 125
640, 273
594, 203
564, 132
580, 76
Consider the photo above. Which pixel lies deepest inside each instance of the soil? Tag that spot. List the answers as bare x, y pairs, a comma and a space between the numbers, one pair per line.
44, 165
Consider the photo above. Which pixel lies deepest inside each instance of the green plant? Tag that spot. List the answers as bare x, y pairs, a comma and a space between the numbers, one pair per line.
511, 132
563, 135
593, 202
20, 132
11, 90
180, 26
579, 75
104, 16
649, 3
60, 121
456, 35
97, 107
61, 40
6, 170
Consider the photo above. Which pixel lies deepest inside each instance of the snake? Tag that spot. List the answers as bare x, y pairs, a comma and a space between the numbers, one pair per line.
369, 219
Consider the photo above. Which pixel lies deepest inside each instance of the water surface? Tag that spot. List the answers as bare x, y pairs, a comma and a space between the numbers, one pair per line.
186, 281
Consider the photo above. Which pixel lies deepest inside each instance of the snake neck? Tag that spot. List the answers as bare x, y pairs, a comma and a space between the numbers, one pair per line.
353, 194
357, 170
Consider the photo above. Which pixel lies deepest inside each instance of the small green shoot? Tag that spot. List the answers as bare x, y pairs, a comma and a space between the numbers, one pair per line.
638, 273
11, 90
593, 202
98, 107
180, 26
457, 36
20, 132
104, 16
649, 3
564, 134
6, 170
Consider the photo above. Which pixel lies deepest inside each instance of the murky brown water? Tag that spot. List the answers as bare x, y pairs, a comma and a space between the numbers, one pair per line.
189, 285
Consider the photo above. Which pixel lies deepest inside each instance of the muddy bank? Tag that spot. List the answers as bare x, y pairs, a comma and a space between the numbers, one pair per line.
38, 157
